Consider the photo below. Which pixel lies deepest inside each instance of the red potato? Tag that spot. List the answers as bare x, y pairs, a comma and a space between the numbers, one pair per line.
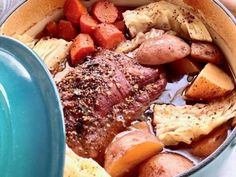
161, 50
206, 52
87, 24
66, 30
108, 36
209, 143
73, 9
81, 47
128, 149
105, 11
52, 29
165, 165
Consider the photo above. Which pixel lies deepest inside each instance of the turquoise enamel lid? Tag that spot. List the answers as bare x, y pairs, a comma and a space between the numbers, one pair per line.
32, 136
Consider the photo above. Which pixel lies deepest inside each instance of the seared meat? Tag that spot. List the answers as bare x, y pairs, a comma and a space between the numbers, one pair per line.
102, 97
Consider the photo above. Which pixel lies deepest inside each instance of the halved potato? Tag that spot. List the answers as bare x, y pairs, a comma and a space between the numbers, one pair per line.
209, 143
165, 165
129, 149
211, 83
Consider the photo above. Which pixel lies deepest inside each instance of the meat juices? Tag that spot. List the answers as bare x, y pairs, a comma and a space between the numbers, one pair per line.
102, 97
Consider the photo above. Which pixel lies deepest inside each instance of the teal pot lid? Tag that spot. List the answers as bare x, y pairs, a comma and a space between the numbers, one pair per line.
32, 136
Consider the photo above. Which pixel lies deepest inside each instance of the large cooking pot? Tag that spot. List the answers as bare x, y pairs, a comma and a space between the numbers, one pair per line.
31, 17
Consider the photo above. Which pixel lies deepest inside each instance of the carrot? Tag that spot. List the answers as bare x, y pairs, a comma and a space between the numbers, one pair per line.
52, 29
87, 24
82, 46
105, 11
120, 25
66, 30
73, 9
108, 36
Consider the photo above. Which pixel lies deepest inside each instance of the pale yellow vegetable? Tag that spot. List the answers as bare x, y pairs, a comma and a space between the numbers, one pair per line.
130, 45
129, 149
166, 16
76, 166
52, 51
211, 83
175, 124
184, 66
27, 40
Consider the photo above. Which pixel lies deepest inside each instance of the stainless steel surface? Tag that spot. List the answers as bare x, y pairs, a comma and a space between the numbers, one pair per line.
225, 167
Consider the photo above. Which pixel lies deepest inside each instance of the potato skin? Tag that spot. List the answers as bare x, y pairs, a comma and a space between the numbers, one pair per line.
206, 52
161, 50
208, 144
165, 165
129, 149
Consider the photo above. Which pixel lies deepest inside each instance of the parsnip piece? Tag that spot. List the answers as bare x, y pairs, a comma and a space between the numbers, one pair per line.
175, 124
27, 40
211, 83
166, 16
52, 51
76, 166
128, 150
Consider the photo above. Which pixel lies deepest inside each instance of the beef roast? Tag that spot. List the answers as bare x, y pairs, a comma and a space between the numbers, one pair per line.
102, 97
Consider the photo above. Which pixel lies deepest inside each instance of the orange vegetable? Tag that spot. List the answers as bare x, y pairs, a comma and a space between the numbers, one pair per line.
73, 9
108, 36
128, 149
66, 30
185, 66
105, 11
52, 29
206, 145
120, 25
82, 46
87, 24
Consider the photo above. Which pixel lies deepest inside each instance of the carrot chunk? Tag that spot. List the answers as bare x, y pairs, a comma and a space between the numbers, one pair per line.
82, 46
73, 9
108, 36
87, 24
66, 30
52, 29
105, 11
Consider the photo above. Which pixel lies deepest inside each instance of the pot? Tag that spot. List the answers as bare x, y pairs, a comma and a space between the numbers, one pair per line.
220, 23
